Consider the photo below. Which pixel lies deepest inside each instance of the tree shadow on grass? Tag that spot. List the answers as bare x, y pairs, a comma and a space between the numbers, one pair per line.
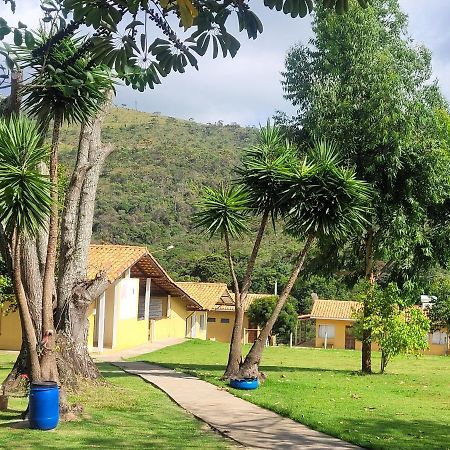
109, 371
396, 433
11, 414
201, 368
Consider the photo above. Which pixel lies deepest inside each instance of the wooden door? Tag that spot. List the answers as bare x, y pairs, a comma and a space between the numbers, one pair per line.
349, 338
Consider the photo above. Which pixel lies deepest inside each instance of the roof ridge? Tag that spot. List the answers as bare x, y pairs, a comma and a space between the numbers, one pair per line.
120, 245
202, 282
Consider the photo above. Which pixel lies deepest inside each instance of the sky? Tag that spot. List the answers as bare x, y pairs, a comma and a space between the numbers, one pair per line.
246, 89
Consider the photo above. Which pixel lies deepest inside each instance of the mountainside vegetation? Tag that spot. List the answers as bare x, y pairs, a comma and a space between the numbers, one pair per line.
150, 186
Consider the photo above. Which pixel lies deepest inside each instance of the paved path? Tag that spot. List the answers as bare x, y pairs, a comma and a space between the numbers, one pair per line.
248, 424
117, 355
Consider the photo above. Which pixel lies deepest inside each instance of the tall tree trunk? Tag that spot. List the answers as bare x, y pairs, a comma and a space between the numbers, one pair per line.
48, 358
15, 98
31, 279
366, 347
25, 317
250, 367
74, 294
235, 352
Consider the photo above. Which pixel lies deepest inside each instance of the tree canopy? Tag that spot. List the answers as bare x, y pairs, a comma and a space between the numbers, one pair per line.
146, 40
362, 83
261, 309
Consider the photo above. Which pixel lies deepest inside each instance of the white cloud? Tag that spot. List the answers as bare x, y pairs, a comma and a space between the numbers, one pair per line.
247, 89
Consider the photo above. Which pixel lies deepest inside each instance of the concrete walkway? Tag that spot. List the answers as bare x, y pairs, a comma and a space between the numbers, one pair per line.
247, 424
117, 355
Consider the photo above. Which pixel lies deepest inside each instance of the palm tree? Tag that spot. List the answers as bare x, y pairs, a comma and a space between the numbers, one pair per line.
24, 207
259, 176
326, 201
65, 87
224, 212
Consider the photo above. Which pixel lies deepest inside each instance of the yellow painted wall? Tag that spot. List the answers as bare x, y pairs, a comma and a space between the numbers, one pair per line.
129, 330
10, 330
437, 349
339, 340
222, 331
130, 333
173, 326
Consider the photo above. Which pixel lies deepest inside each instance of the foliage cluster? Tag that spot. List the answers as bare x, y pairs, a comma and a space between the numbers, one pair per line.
261, 309
374, 96
396, 327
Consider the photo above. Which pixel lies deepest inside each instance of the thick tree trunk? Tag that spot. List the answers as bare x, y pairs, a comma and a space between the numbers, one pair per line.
250, 367
73, 293
29, 336
366, 347
235, 352
15, 99
48, 359
73, 358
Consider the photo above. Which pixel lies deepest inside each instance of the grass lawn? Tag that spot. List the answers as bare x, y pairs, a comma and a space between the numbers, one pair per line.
125, 412
406, 408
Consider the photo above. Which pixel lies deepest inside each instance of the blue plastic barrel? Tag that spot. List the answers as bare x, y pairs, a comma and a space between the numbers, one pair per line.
44, 405
246, 384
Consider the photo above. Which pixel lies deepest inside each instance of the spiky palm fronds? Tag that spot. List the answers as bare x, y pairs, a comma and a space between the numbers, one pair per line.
330, 201
64, 80
262, 165
24, 192
223, 211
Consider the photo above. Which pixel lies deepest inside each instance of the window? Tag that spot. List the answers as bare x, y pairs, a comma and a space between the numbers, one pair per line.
211, 319
328, 331
155, 309
224, 320
202, 322
439, 338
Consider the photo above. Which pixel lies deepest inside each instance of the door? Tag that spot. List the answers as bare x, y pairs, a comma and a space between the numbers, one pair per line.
349, 338
193, 326
252, 334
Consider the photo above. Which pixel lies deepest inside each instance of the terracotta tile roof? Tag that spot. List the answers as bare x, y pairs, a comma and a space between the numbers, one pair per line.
334, 309
113, 259
248, 301
116, 259
208, 295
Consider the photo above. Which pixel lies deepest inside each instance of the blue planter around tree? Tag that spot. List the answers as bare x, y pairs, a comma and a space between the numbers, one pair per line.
245, 384
44, 405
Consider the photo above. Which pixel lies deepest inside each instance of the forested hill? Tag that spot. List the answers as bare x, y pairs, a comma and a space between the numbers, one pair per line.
152, 179
150, 185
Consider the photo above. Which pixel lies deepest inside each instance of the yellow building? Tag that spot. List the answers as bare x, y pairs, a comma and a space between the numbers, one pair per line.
10, 328
141, 304
334, 323
334, 327
218, 303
